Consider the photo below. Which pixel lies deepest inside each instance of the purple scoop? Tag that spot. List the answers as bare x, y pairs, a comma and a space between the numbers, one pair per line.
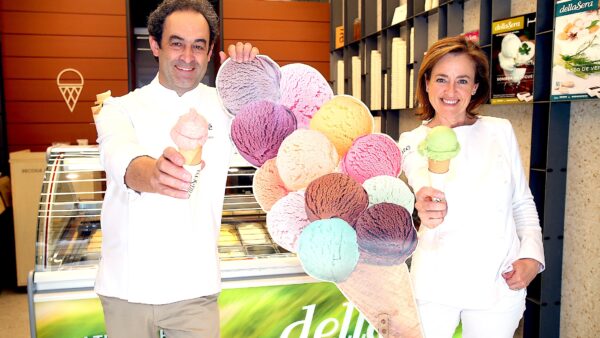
386, 234
259, 128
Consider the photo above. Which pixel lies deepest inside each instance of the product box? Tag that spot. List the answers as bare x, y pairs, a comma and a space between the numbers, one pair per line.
513, 52
576, 57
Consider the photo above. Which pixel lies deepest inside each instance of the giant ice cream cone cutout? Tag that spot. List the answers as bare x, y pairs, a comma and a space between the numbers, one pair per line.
312, 209
70, 88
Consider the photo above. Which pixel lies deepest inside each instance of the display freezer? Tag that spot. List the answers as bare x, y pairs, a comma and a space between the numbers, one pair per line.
265, 290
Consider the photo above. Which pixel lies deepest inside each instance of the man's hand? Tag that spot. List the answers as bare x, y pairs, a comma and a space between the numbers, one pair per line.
430, 212
240, 52
523, 272
164, 175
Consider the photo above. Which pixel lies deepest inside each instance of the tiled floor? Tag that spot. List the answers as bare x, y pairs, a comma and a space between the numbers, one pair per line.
14, 316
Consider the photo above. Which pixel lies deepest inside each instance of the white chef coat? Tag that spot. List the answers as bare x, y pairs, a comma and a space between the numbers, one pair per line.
491, 222
157, 249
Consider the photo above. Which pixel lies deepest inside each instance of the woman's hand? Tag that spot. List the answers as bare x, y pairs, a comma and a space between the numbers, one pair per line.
523, 272
431, 206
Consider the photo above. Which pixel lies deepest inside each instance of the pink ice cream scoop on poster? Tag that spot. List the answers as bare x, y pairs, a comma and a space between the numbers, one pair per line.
303, 90
372, 155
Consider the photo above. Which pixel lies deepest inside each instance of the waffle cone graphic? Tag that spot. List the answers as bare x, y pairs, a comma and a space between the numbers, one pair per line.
439, 167
70, 88
192, 156
384, 295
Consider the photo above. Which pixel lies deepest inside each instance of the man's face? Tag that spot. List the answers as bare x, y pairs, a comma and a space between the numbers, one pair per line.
185, 51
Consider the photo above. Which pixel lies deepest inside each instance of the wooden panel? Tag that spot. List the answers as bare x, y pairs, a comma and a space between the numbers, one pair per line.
43, 68
63, 24
47, 112
66, 6
46, 134
64, 46
292, 51
47, 90
275, 10
239, 29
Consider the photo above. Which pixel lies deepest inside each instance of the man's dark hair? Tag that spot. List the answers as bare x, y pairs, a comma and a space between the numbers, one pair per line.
156, 19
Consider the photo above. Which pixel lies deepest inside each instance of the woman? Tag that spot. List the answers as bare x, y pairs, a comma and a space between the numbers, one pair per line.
480, 241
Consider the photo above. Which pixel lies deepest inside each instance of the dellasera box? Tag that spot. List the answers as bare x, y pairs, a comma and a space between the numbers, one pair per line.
513, 55
576, 57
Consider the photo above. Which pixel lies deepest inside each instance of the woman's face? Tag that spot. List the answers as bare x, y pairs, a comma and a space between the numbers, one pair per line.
450, 86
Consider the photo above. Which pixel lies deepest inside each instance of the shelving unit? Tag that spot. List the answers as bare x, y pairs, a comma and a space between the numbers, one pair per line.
550, 125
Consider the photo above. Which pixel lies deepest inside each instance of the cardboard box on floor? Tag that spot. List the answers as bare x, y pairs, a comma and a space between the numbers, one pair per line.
27, 173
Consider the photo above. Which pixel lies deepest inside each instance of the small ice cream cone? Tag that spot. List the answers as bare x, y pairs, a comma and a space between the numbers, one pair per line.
192, 156
439, 167
384, 295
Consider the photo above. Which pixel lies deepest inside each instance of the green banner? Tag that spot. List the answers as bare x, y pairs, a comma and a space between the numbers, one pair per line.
316, 310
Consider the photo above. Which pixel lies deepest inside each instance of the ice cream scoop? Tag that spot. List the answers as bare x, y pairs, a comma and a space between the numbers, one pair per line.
343, 119
328, 249
303, 156
189, 134
303, 90
372, 155
267, 186
239, 83
259, 128
335, 195
287, 219
391, 190
440, 145
386, 235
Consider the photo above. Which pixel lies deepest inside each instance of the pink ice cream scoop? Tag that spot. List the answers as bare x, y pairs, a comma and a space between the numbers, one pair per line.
267, 186
303, 90
239, 83
286, 220
386, 234
335, 195
189, 134
372, 155
259, 128
303, 156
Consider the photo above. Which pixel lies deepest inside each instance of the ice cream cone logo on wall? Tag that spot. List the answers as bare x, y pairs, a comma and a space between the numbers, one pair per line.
70, 86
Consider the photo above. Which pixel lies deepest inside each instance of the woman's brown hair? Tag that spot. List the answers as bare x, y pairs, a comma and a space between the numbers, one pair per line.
453, 45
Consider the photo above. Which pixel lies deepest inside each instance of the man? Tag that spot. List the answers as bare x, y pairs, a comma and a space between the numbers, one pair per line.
160, 267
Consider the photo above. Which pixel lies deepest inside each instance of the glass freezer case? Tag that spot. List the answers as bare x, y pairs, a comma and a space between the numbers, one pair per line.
265, 290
